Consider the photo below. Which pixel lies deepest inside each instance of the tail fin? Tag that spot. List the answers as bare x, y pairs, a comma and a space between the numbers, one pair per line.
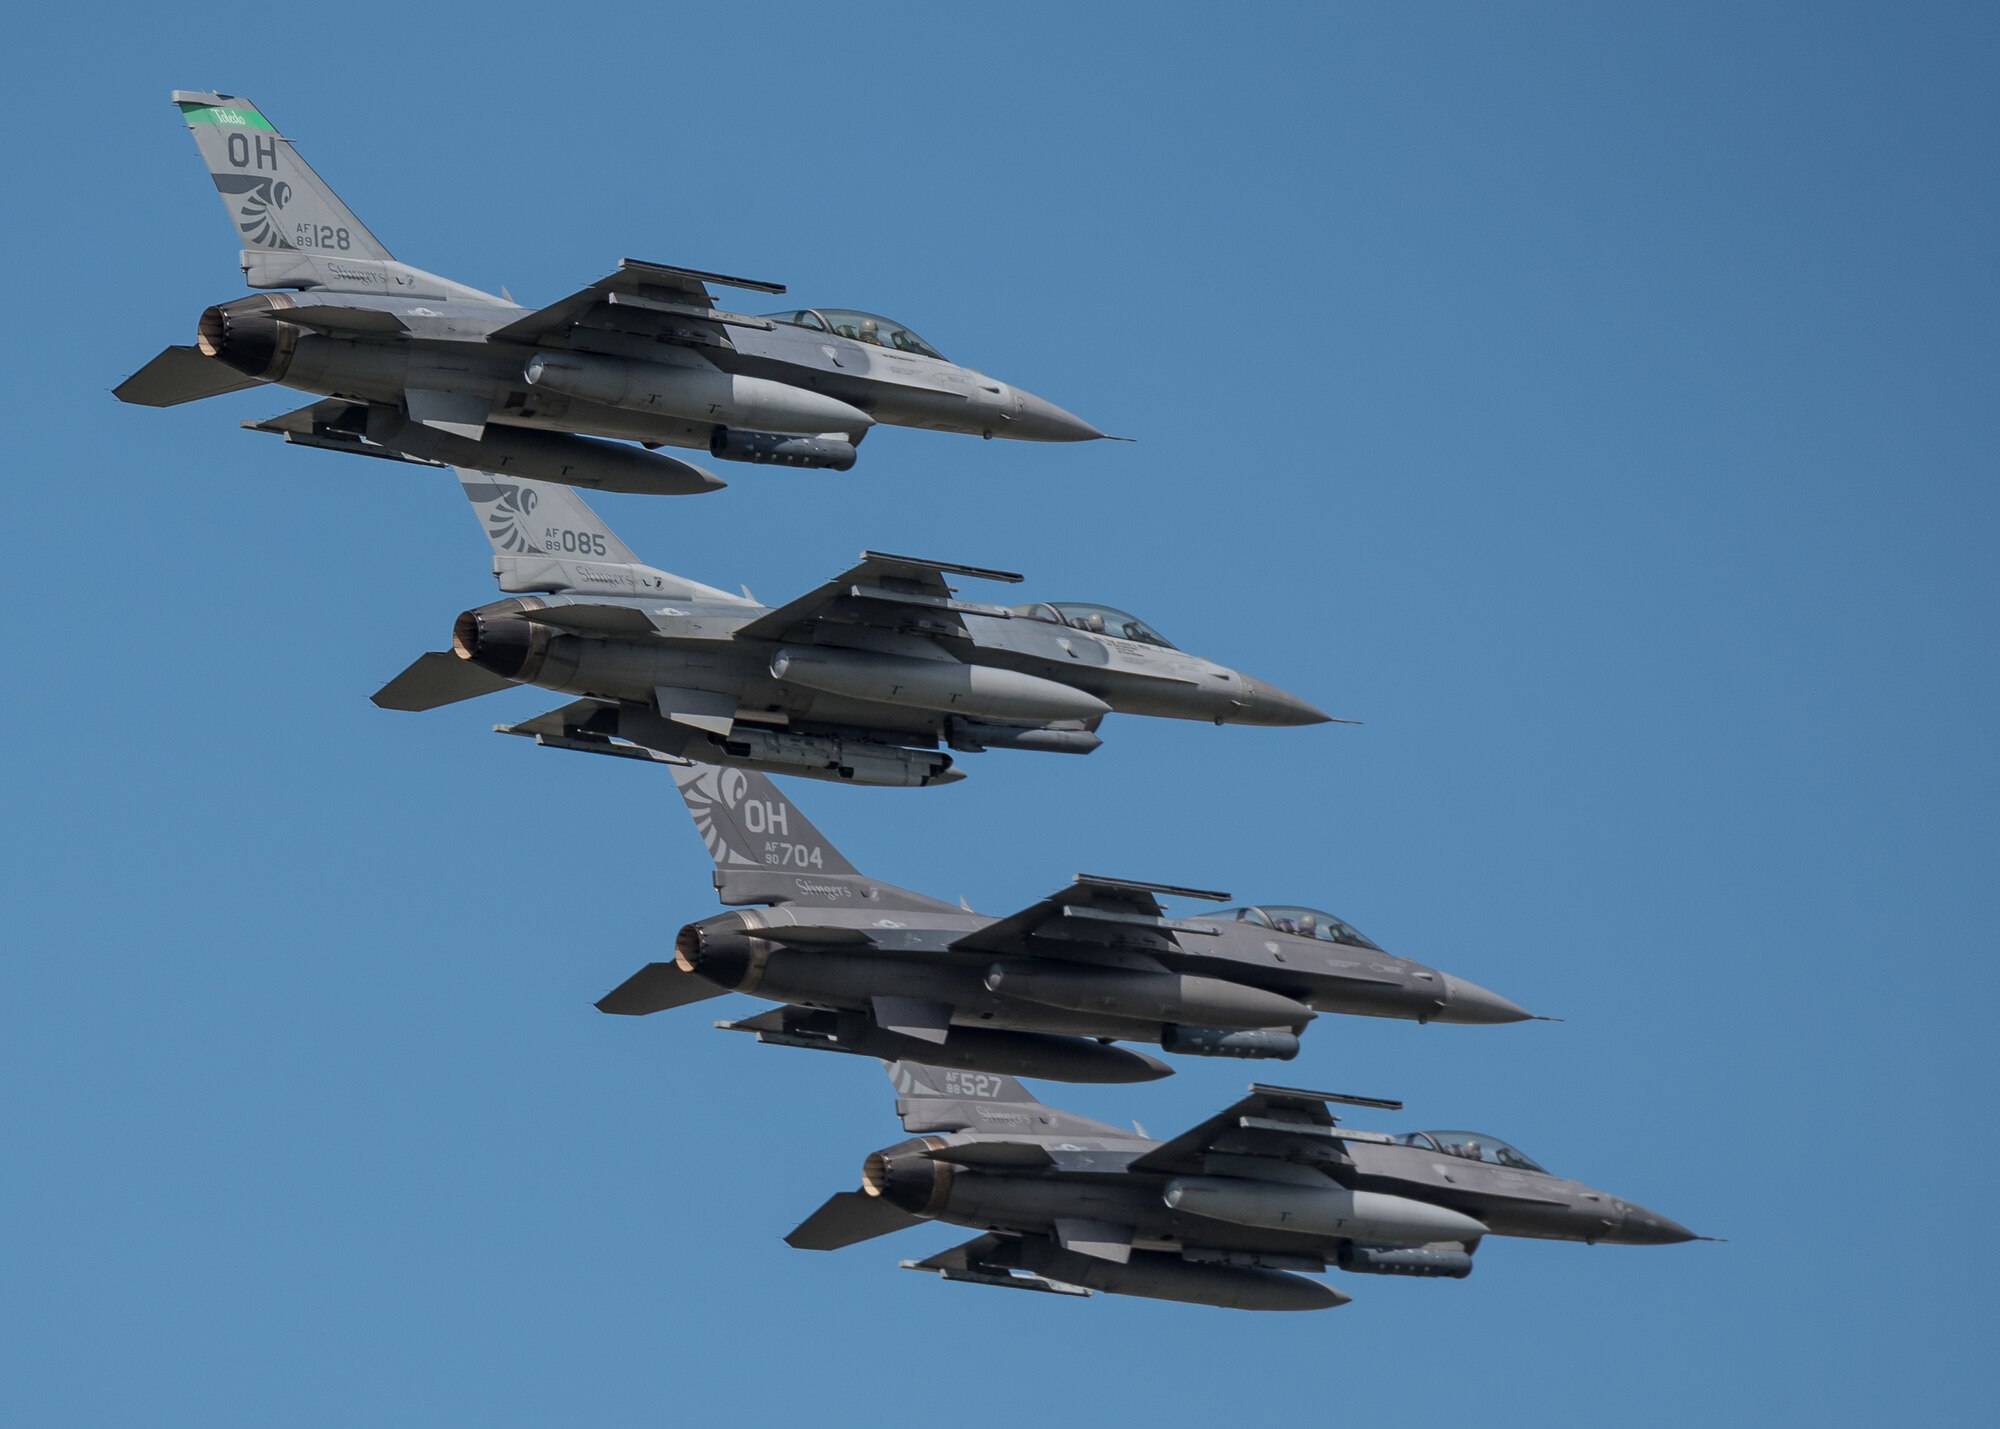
275, 200
942, 1099
930, 1095
748, 824
766, 851
546, 537
540, 518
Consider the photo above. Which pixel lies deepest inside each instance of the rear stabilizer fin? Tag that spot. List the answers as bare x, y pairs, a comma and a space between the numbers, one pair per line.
546, 537
274, 199
177, 375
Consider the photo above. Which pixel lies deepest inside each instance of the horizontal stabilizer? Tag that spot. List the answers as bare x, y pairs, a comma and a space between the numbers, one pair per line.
180, 374
655, 988
437, 678
849, 1218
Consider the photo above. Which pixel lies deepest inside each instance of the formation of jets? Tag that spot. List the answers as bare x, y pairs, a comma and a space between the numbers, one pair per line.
877, 676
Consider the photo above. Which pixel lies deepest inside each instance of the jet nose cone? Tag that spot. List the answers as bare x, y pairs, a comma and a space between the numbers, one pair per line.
1643, 1227
1469, 1002
1268, 705
1037, 421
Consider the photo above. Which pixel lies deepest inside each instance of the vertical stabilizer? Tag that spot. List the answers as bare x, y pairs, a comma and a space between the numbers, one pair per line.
546, 537
274, 199
766, 851
943, 1099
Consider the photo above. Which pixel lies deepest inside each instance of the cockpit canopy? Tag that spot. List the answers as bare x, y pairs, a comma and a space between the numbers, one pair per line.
1095, 620
1302, 922
1473, 1146
862, 327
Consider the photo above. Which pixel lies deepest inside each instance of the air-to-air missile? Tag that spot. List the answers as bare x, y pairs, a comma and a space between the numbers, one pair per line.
858, 681
858, 965
414, 366
1236, 1212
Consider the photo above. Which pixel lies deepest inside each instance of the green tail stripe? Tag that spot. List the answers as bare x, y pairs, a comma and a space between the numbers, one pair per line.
245, 118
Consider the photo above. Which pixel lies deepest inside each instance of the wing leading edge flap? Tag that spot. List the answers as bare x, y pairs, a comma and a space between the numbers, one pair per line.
644, 288
910, 580
1266, 1120
1094, 908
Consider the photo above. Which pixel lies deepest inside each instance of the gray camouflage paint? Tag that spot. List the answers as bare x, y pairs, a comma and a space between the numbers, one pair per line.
1068, 1204
858, 681
418, 366
859, 965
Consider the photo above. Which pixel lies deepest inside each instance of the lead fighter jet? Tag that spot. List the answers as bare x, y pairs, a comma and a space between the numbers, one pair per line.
858, 680
1228, 1213
863, 966
415, 365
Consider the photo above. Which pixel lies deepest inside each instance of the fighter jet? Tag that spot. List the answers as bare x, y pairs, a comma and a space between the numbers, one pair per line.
1229, 1213
415, 365
858, 680
863, 966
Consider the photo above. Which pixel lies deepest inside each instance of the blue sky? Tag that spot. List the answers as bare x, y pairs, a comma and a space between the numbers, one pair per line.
1598, 404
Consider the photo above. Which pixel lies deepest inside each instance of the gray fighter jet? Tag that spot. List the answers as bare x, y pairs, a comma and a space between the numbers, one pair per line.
1226, 1214
414, 365
864, 966
859, 680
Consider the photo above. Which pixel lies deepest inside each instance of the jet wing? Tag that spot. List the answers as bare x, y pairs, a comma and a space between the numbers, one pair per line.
1110, 911
180, 374
650, 300
902, 591
1286, 1123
